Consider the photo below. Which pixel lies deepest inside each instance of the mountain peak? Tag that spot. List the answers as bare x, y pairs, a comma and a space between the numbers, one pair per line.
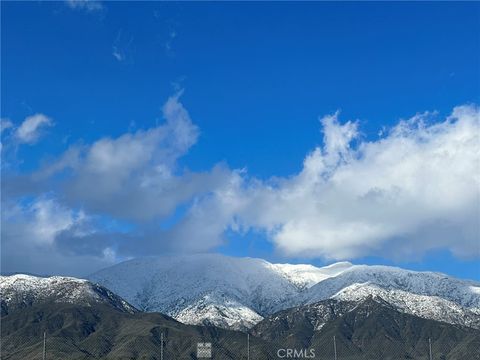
21, 290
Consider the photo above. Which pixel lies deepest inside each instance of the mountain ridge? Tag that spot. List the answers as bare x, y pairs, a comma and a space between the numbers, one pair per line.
370, 330
218, 289
21, 291
237, 293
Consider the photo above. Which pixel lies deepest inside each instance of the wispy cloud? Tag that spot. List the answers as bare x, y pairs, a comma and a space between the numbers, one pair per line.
31, 129
86, 5
169, 32
172, 35
118, 54
122, 48
5, 124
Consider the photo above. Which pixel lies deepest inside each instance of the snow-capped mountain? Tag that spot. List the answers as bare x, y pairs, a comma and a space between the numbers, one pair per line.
425, 294
20, 291
238, 292
372, 328
210, 288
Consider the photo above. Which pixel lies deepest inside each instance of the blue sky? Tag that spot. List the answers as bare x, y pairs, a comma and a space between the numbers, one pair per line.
247, 83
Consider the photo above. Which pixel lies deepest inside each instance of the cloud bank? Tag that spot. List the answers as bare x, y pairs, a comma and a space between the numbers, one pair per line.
414, 189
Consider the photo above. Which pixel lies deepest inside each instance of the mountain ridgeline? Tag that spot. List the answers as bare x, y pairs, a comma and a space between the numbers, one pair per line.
162, 308
237, 293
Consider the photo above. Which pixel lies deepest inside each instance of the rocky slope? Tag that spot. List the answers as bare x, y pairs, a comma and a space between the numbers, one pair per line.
369, 329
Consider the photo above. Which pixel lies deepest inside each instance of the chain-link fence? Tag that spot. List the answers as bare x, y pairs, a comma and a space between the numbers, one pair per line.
212, 343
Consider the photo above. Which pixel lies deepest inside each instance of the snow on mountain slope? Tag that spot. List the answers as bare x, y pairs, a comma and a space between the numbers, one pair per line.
305, 276
238, 292
210, 288
19, 291
427, 307
222, 312
424, 294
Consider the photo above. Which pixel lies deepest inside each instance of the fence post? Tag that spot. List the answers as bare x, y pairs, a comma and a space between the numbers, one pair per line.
161, 346
248, 346
430, 348
335, 347
44, 356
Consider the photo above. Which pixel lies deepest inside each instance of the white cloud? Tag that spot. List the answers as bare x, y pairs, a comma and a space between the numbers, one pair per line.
87, 5
30, 234
135, 176
117, 54
337, 140
45, 217
133, 179
122, 48
31, 128
169, 43
49, 219
413, 190
416, 188
5, 124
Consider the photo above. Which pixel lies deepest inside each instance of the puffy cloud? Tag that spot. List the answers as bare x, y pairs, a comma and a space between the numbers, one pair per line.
337, 140
415, 189
134, 176
40, 219
30, 232
133, 179
31, 128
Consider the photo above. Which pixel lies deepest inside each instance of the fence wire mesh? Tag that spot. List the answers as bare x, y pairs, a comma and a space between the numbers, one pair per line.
212, 343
